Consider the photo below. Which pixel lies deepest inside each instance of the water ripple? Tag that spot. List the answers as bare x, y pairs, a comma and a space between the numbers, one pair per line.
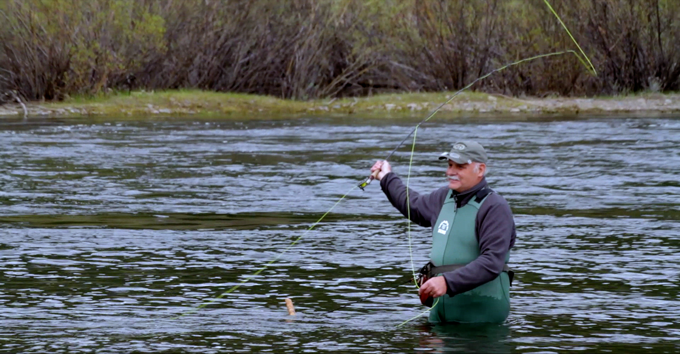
112, 229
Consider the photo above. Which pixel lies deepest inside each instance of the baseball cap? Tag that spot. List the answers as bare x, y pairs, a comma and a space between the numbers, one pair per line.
465, 151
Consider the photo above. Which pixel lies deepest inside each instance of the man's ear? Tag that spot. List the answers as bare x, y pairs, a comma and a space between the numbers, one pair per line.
482, 169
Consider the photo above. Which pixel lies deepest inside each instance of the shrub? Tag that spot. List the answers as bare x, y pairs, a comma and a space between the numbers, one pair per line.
308, 49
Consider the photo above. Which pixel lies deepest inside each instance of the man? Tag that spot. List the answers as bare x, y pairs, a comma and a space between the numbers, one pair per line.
473, 232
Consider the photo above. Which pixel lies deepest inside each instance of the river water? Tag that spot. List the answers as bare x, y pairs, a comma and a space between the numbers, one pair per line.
123, 235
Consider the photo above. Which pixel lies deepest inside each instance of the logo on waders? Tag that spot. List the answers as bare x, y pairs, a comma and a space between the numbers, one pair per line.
443, 227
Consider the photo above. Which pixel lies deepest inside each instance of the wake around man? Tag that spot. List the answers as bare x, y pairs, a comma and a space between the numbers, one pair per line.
472, 233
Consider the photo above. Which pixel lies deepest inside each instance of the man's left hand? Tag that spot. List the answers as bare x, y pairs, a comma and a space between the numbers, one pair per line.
434, 287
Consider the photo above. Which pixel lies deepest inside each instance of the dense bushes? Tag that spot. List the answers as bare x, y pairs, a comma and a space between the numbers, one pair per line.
319, 48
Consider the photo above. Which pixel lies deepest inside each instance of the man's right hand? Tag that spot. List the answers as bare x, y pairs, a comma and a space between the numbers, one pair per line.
382, 168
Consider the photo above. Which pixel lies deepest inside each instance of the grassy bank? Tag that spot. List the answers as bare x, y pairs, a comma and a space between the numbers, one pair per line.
203, 103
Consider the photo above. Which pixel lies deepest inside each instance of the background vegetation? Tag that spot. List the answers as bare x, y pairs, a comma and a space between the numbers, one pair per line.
306, 49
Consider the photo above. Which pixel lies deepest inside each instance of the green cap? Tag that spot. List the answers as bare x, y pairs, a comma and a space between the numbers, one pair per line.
466, 151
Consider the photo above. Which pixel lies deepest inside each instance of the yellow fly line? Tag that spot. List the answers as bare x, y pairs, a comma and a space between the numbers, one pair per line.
233, 288
589, 66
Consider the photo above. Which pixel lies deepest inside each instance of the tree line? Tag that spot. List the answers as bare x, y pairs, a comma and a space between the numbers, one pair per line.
306, 49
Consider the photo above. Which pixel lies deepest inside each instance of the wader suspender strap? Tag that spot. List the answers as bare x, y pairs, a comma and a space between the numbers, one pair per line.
433, 271
482, 194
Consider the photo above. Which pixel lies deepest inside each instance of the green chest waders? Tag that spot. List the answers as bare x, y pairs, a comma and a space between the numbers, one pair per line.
454, 242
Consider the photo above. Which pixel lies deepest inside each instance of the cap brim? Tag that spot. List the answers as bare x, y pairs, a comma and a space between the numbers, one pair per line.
457, 159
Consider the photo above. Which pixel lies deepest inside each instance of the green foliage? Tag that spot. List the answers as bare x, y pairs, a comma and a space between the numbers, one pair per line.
78, 46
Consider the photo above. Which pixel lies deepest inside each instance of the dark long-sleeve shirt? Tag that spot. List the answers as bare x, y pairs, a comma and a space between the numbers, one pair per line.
494, 228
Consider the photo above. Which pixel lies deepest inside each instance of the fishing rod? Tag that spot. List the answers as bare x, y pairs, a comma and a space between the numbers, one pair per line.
589, 66
372, 176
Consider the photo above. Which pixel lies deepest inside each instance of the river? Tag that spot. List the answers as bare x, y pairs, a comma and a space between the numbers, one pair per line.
116, 231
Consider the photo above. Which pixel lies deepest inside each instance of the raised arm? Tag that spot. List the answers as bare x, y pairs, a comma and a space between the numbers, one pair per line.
424, 208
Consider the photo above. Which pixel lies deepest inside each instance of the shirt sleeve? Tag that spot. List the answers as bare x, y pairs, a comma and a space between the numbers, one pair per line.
496, 234
424, 208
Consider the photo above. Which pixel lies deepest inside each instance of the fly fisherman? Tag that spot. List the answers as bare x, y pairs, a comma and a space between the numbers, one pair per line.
472, 233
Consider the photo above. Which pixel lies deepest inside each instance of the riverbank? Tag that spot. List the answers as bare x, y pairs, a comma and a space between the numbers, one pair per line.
202, 103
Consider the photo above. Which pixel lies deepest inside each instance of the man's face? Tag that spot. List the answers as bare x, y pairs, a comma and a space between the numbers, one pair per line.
463, 177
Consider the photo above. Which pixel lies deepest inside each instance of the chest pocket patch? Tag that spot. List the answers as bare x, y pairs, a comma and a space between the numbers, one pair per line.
443, 227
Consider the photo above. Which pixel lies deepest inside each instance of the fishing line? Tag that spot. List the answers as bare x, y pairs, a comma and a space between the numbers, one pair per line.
232, 289
370, 178
588, 66
572, 38
436, 301
414, 133
408, 207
